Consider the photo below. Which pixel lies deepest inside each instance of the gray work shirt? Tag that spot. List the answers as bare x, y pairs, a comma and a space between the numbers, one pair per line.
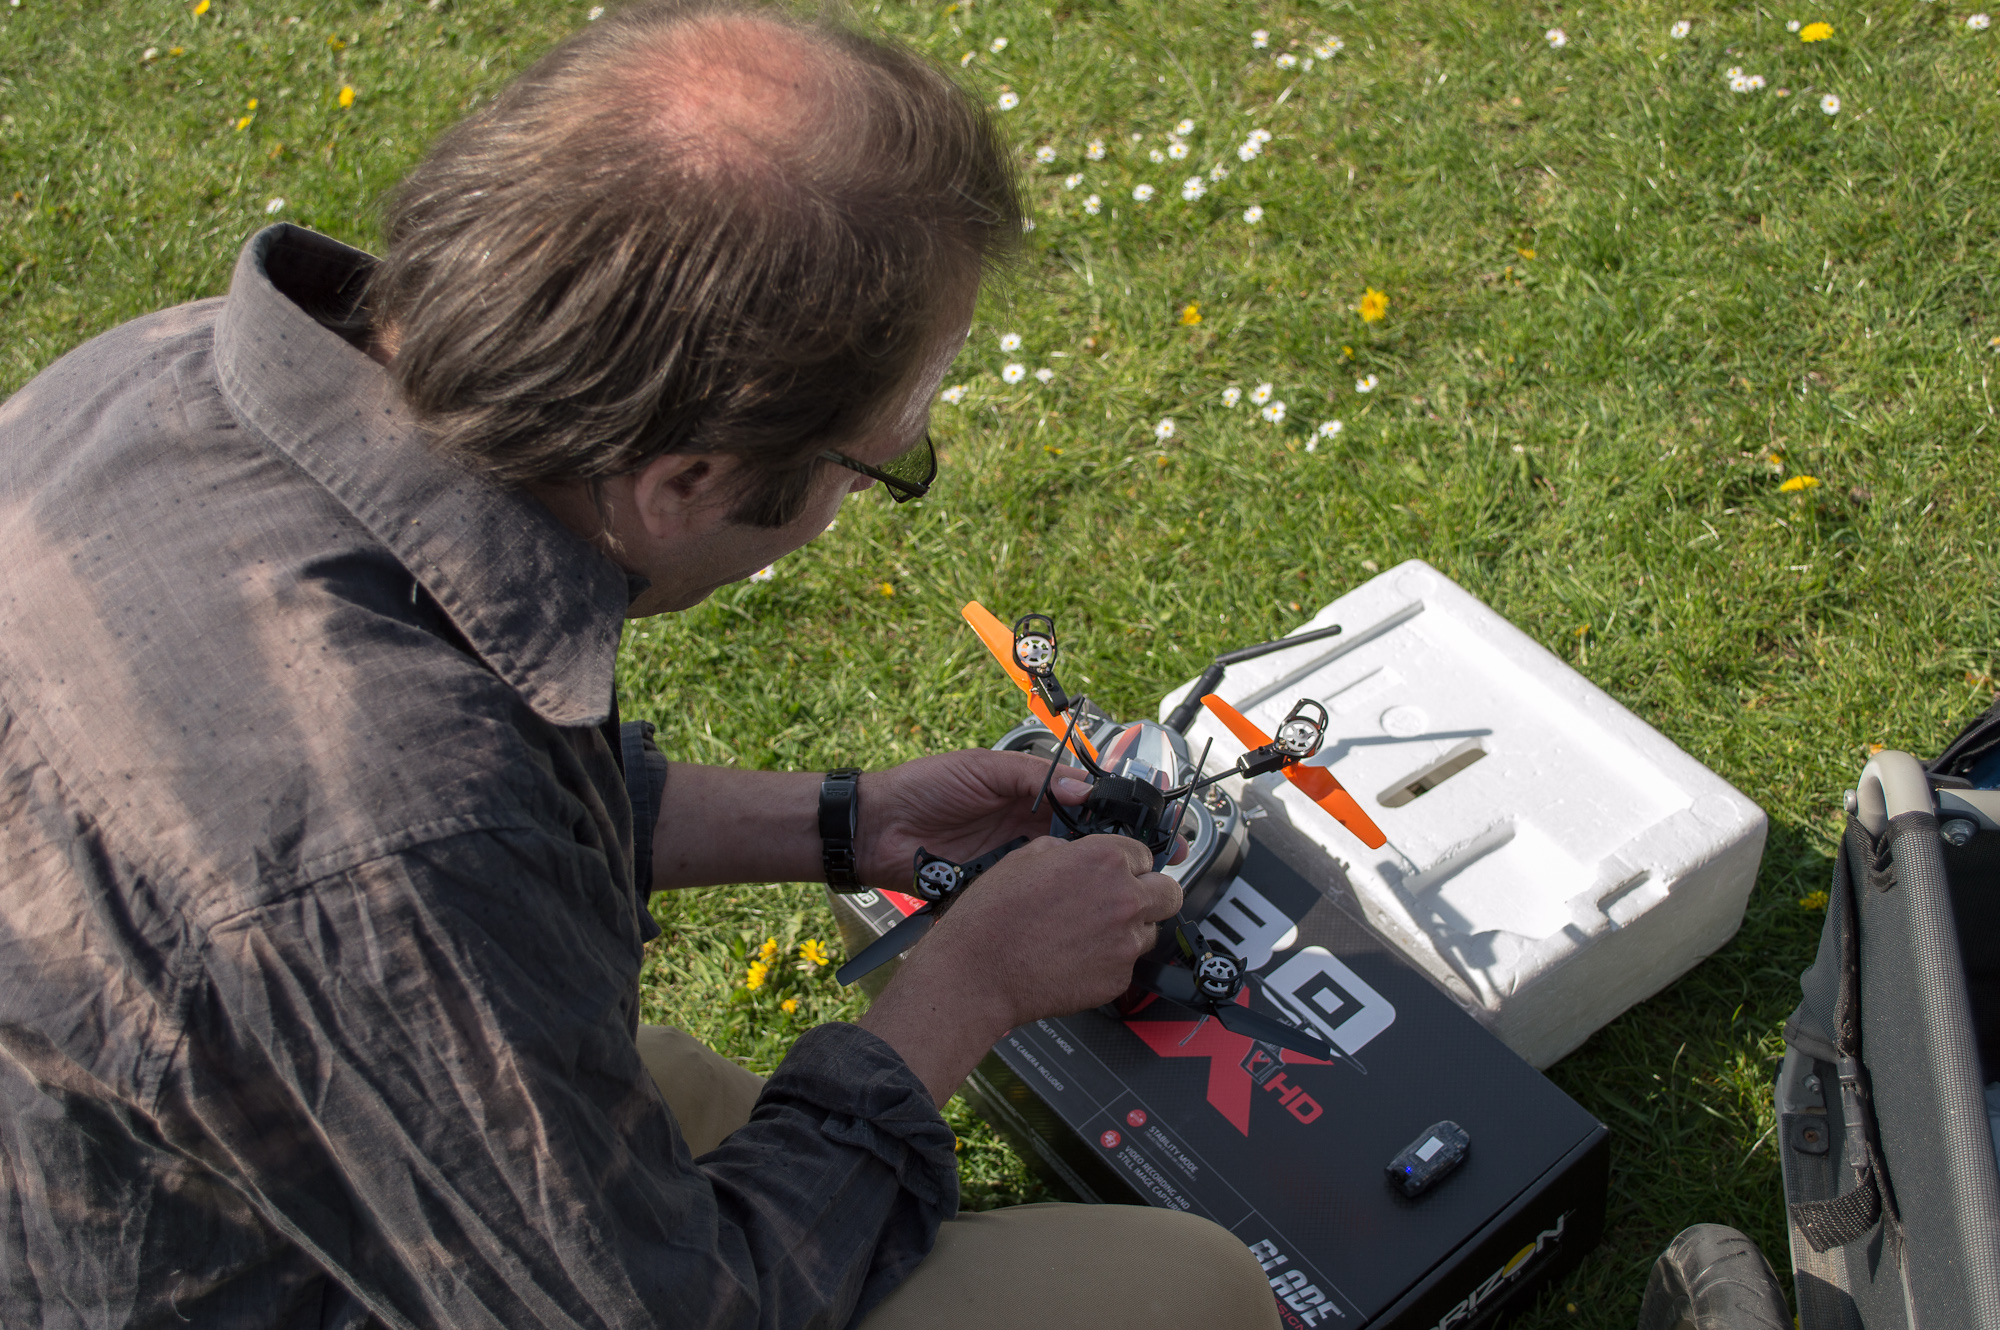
319, 933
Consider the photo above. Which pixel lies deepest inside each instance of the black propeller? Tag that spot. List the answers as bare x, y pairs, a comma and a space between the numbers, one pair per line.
937, 882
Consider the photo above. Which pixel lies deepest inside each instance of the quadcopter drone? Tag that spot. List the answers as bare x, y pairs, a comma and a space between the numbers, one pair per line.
1143, 785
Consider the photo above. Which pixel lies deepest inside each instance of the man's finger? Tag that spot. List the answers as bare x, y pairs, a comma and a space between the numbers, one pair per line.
1138, 859
1162, 896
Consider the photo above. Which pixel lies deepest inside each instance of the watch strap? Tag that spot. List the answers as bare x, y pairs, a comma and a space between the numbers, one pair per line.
839, 820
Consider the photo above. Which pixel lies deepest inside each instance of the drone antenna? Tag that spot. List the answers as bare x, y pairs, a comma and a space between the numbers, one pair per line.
1183, 715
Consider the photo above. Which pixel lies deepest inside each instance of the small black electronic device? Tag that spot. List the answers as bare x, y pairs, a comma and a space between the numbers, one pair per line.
1426, 1161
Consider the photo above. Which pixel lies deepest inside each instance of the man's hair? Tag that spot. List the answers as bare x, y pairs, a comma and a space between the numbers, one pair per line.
695, 227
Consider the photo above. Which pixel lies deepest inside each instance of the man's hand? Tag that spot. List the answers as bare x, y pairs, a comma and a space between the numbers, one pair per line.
1052, 929
958, 805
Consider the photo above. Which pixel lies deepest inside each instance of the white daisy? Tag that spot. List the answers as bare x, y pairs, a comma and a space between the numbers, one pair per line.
1254, 213
1009, 100
764, 574
1680, 30
275, 205
1013, 373
1044, 374
1184, 128
1275, 413
1072, 181
1259, 136
1259, 40
1231, 396
1156, 156
596, 13
1755, 81
954, 394
1327, 49
1248, 150
1367, 385
1830, 104
1218, 172
1738, 83
1260, 394
1045, 154
1094, 150
1010, 341
1164, 430
150, 53
1141, 193
997, 45
1329, 428
1093, 205
1733, 72
1556, 38
1793, 26
1177, 150
965, 59
1978, 22
1288, 61
1193, 188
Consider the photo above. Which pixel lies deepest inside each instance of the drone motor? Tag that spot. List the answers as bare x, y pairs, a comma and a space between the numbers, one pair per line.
1035, 651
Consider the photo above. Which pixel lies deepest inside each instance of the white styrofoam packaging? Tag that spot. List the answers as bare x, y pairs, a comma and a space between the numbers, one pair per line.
1551, 858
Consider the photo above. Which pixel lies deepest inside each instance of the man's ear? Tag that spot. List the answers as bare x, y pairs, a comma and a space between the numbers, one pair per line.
667, 491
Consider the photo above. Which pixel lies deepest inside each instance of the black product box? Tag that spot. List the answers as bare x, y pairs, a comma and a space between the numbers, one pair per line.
1163, 1108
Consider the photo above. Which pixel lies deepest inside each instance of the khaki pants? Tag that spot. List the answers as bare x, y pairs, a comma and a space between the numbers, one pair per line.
1054, 1267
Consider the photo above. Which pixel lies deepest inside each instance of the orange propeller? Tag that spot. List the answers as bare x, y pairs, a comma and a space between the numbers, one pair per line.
1317, 782
999, 640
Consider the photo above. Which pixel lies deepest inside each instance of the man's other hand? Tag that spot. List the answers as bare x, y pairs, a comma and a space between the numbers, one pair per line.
958, 805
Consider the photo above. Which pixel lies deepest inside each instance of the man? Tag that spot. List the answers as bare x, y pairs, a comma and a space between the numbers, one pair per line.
320, 905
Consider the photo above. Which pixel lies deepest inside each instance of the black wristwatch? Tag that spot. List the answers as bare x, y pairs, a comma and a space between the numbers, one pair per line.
839, 819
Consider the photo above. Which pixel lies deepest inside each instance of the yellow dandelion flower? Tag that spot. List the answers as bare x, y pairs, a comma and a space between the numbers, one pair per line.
759, 972
1813, 900
347, 94
251, 105
1524, 253
811, 951
176, 50
1192, 314
1815, 32
886, 588
768, 953
789, 1005
244, 123
1374, 304
1797, 483
336, 43
200, 7
1347, 352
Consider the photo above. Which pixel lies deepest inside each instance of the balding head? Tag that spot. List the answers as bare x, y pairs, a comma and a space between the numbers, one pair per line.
692, 228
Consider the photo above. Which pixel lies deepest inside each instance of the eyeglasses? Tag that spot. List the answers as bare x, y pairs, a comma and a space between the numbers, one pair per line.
907, 475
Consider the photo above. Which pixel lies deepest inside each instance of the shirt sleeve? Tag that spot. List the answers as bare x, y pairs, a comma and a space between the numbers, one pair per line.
422, 1070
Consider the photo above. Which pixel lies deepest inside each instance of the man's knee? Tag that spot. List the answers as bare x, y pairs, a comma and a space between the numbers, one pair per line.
1096, 1266
709, 1095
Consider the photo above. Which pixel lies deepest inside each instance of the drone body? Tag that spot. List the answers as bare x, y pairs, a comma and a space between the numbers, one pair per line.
1144, 786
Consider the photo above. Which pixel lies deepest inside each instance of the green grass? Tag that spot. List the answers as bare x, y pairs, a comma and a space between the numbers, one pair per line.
1725, 291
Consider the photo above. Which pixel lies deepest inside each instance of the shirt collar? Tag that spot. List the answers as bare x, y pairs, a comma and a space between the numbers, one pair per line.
538, 604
